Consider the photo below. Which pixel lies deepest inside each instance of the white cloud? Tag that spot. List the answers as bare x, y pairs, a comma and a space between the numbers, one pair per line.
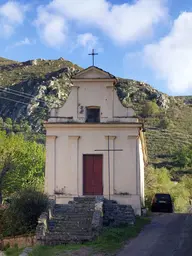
171, 57
52, 28
87, 40
12, 14
123, 23
25, 41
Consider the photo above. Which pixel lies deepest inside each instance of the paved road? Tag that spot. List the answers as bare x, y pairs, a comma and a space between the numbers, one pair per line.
166, 235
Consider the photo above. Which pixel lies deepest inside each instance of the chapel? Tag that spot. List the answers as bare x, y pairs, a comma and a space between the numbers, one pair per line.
95, 145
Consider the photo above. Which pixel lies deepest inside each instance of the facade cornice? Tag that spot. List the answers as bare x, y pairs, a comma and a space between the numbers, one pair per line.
51, 136
110, 137
73, 137
93, 80
98, 125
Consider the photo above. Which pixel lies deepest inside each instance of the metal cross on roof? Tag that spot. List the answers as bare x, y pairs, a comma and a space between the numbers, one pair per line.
93, 55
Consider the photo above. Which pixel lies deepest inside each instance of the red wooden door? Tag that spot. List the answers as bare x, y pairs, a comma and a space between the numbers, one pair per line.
92, 174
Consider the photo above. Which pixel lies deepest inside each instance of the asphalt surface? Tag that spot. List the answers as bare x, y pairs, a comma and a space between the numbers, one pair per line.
166, 235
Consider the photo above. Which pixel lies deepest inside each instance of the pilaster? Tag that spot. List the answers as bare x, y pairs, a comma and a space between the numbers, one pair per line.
50, 169
134, 165
73, 144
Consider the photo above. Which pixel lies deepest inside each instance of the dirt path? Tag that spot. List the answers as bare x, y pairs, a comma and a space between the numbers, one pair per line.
167, 235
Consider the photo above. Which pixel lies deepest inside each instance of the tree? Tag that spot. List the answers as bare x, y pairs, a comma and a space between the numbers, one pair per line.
9, 121
187, 182
23, 212
25, 126
159, 181
21, 164
150, 109
1, 123
184, 156
165, 123
156, 181
16, 127
8, 124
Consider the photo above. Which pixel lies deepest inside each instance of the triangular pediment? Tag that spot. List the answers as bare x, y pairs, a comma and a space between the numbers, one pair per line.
93, 73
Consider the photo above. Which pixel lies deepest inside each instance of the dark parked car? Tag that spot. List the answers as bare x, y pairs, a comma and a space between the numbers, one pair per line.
162, 203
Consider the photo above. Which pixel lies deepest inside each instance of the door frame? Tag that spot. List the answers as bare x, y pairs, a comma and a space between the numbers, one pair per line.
98, 154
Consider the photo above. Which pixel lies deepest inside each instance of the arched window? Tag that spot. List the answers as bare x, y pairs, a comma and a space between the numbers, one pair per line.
92, 114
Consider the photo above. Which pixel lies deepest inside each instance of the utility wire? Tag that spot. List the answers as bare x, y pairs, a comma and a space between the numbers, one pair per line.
20, 95
17, 91
17, 101
8, 90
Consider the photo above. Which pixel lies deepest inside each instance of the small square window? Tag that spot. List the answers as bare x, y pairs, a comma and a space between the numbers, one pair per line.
93, 115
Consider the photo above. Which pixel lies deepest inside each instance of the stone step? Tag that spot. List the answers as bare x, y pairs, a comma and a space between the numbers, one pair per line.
74, 204
67, 219
77, 198
69, 225
72, 226
74, 230
75, 208
83, 206
76, 211
70, 221
72, 217
63, 235
62, 206
85, 199
71, 231
54, 239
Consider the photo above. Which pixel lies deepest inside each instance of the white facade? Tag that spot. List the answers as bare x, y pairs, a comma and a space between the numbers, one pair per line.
72, 142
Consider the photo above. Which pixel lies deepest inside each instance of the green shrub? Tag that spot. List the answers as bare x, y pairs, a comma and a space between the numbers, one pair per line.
150, 109
165, 123
159, 181
23, 212
180, 197
156, 181
187, 182
183, 156
1, 221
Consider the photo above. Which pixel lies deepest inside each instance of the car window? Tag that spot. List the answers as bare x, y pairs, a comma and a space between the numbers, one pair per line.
163, 196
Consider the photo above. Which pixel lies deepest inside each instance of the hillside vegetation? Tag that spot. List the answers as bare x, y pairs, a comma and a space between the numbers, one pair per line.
28, 90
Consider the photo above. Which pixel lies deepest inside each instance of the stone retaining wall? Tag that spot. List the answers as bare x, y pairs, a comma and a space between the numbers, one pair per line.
115, 214
97, 221
20, 241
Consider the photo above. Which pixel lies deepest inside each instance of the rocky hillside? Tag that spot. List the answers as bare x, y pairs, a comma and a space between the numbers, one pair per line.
28, 90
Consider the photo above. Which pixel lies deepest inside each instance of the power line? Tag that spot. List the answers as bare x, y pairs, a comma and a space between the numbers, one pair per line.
23, 93
18, 101
17, 94
17, 91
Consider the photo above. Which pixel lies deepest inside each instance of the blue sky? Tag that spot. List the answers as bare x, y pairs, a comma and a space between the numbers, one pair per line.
146, 40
